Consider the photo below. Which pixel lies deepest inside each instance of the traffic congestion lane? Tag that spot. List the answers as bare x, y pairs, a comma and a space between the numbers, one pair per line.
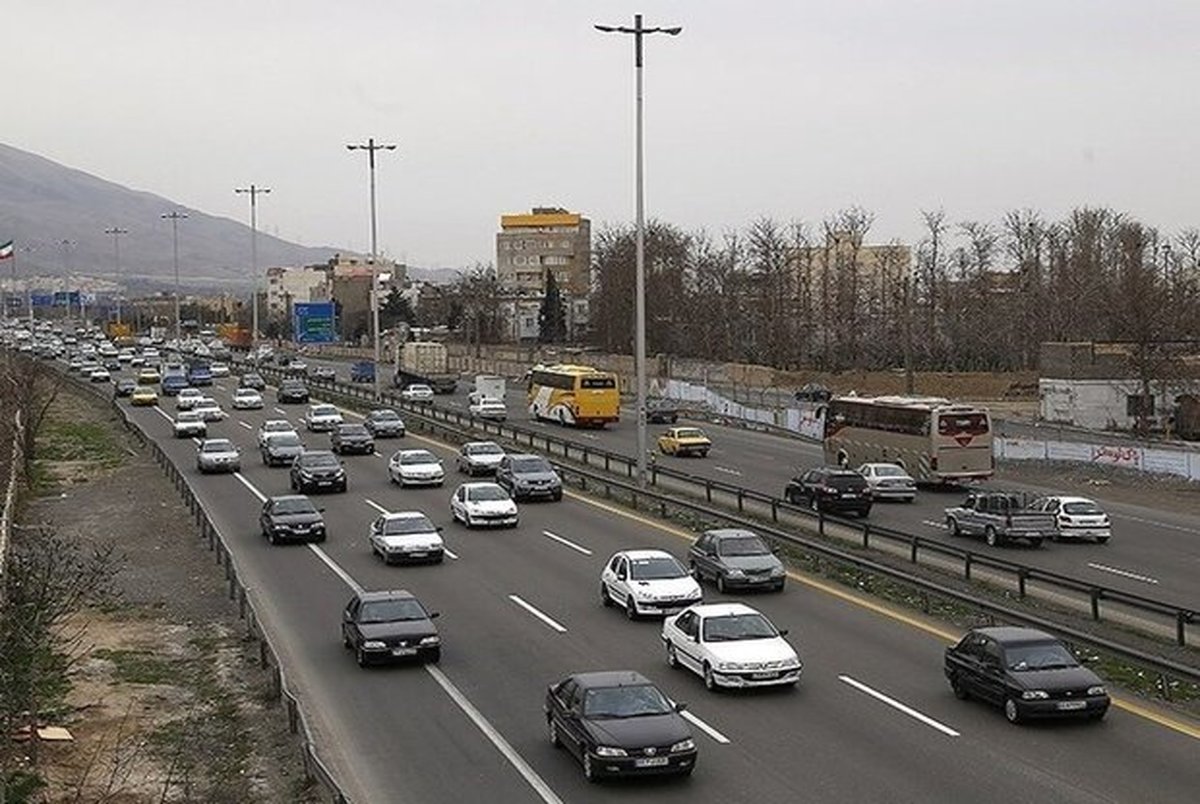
364, 721
529, 551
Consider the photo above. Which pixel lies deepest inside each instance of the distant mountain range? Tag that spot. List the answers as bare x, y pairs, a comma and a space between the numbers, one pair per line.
43, 203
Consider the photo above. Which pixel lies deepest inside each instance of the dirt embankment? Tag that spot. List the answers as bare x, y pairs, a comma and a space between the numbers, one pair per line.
167, 702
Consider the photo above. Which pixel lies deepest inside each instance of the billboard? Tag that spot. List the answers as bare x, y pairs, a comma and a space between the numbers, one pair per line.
64, 298
41, 299
312, 322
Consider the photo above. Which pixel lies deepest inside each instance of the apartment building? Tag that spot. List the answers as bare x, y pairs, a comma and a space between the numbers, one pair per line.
545, 239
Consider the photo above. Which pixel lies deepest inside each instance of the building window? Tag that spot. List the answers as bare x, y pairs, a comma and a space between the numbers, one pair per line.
1137, 405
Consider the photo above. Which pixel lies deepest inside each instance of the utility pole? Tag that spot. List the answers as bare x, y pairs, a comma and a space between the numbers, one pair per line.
370, 146
254, 191
116, 232
65, 246
638, 31
175, 217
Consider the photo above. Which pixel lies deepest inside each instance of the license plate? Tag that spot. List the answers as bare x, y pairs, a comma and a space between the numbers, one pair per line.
849, 494
417, 555
651, 762
404, 651
1069, 705
324, 482
762, 676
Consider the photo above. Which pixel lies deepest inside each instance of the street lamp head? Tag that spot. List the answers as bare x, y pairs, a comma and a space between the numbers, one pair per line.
672, 31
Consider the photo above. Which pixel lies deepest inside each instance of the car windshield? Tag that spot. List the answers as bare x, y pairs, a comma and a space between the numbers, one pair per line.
1039, 656
415, 458
736, 627
888, 470
484, 449
190, 393
353, 430
657, 568
252, 378
276, 425
324, 410
622, 702
1082, 508
245, 392
284, 440
742, 546
689, 432
486, 494
390, 611
217, 446
294, 505
398, 526
188, 416
530, 465
383, 415
319, 460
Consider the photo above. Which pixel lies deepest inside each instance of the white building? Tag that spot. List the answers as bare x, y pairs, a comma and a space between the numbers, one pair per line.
286, 286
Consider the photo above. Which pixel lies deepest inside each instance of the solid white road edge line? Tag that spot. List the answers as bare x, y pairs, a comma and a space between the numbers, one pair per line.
1122, 573
567, 542
908, 710
502, 745
704, 727
164, 414
522, 767
727, 471
536, 613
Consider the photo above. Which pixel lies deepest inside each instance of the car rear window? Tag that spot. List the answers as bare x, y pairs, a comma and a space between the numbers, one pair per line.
1082, 508
597, 382
951, 424
846, 482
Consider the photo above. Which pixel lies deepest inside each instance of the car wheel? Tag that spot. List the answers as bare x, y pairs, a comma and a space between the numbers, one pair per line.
672, 659
952, 524
1035, 543
960, 691
320, 539
1101, 540
552, 732
814, 504
1011, 711
779, 586
346, 640
721, 586
991, 537
710, 680
435, 656
605, 600
272, 539
589, 771
360, 656
557, 496
630, 608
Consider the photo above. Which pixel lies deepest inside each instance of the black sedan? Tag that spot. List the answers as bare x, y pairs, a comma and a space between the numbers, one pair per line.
732, 557
661, 411
386, 626
1027, 672
617, 723
126, 387
252, 379
318, 470
281, 449
351, 438
292, 391
291, 518
384, 423
829, 490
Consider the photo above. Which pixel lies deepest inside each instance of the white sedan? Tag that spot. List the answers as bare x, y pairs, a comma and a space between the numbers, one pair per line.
483, 504
272, 426
219, 369
406, 536
187, 398
647, 582
322, 418
730, 645
417, 393
416, 467
1077, 518
489, 408
889, 481
247, 399
209, 410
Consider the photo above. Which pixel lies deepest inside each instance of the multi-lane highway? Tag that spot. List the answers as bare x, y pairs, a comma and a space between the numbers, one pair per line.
872, 720
1153, 552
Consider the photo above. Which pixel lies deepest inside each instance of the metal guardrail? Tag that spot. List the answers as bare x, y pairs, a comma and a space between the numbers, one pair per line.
315, 770
1024, 578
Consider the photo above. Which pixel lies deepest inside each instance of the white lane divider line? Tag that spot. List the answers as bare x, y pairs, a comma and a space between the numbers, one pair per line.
704, 727
589, 436
566, 542
261, 497
449, 553
243, 424
164, 414
536, 613
1123, 573
377, 454
333, 565
931, 523
727, 470
502, 745
281, 412
892, 702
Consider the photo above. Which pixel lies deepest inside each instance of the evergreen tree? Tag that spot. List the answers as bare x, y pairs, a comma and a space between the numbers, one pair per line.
552, 317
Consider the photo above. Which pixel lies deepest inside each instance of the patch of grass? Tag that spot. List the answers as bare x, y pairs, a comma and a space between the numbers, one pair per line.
141, 666
68, 440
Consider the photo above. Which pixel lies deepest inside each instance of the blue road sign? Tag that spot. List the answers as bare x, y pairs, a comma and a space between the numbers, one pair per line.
312, 322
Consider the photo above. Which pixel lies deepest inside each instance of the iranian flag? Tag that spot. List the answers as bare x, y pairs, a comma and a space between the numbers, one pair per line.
6, 250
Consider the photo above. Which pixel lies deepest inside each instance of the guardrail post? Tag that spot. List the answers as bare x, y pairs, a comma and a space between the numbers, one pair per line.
866, 535
774, 510
708, 490
916, 542
1096, 594
1182, 618
820, 524
967, 566
1022, 574
741, 498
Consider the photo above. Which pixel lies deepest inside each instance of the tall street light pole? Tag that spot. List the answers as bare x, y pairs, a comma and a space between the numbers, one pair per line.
116, 232
370, 146
65, 246
174, 218
638, 31
254, 191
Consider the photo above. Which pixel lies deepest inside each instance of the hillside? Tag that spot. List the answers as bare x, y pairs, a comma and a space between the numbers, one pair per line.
42, 203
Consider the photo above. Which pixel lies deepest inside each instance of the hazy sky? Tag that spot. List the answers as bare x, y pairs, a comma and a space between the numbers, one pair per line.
787, 108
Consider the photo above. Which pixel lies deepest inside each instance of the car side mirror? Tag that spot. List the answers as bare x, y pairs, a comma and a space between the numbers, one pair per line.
440, 528
320, 510
783, 632
680, 706
433, 615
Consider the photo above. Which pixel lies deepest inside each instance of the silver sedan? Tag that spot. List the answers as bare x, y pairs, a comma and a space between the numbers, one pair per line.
218, 455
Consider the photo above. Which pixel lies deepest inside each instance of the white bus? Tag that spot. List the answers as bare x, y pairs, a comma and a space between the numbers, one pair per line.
935, 440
